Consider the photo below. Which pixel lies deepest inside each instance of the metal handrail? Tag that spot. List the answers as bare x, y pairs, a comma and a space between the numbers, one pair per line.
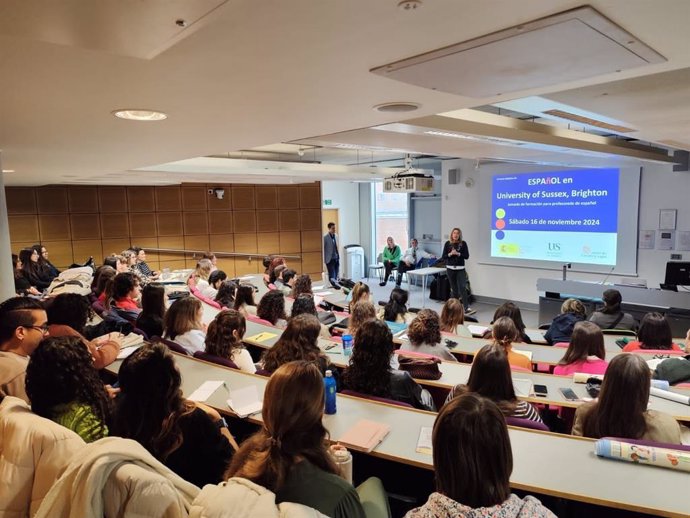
221, 254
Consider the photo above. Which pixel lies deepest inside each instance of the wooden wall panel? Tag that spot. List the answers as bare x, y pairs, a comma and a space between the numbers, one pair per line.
288, 197
267, 221
310, 196
195, 223
245, 244
169, 223
220, 222
289, 220
141, 199
266, 197
227, 264
112, 199
244, 221
243, 197
82, 250
60, 252
142, 224
312, 262
24, 228
54, 227
85, 226
200, 243
289, 243
83, 199
114, 225
174, 242
246, 267
194, 198
216, 204
312, 241
222, 243
114, 246
310, 219
52, 200
168, 198
21, 200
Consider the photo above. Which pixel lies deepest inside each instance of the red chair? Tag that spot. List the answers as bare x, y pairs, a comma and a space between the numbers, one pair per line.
174, 346
526, 423
682, 385
376, 398
257, 320
218, 360
564, 345
519, 369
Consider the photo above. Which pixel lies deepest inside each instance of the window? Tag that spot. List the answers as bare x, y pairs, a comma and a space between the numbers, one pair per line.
391, 218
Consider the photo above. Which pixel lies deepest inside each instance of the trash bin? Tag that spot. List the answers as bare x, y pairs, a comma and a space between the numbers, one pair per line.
354, 262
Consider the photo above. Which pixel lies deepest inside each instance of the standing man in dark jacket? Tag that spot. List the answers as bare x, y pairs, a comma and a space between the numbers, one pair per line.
330, 255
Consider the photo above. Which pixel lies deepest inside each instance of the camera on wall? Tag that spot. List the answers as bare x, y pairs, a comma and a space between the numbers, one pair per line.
218, 193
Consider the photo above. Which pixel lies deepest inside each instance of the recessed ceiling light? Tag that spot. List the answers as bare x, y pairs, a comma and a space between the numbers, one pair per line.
140, 115
396, 107
8, 170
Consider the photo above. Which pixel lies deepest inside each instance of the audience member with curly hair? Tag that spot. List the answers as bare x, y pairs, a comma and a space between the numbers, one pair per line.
272, 308
361, 312
227, 291
424, 334
63, 385
370, 370
224, 339
360, 292
302, 285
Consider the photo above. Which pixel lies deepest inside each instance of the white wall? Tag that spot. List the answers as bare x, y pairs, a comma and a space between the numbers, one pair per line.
660, 189
345, 197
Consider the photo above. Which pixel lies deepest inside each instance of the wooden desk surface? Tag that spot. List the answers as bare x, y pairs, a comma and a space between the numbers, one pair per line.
544, 463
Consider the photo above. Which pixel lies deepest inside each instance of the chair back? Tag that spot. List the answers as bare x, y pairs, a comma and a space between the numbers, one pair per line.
526, 423
413, 354
218, 360
257, 320
174, 346
263, 372
682, 385
376, 398
564, 345
205, 299
517, 368
620, 332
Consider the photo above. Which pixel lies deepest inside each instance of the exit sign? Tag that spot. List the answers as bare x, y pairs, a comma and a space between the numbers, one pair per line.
328, 202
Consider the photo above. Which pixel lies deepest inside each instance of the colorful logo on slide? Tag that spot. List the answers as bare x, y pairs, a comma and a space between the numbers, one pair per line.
500, 223
509, 249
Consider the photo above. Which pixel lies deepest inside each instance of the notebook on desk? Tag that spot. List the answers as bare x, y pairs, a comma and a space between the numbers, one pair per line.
365, 435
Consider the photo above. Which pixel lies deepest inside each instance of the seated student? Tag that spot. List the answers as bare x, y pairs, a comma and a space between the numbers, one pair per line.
244, 300
511, 310
410, 259
23, 324
654, 333
453, 319
48, 268
299, 341
275, 262
267, 264
360, 292
621, 410
22, 285
302, 285
396, 308
130, 258
272, 308
200, 274
288, 455
611, 316
504, 333
224, 339
126, 292
189, 438
226, 293
183, 324
473, 461
362, 312
286, 281
151, 320
490, 378
586, 352
68, 314
424, 335
141, 265
31, 269
572, 312
97, 277
305, 304
211, 257
276, 274
215, 279
370, 373
101, 290
675, 370
391, 258
63, 386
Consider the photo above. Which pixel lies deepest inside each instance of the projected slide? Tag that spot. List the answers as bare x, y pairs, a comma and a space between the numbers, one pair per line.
563, 216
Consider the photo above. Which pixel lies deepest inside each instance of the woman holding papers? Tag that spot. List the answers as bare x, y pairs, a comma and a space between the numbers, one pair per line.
621, 410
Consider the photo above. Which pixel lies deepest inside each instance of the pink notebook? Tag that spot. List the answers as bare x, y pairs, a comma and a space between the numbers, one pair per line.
364, 435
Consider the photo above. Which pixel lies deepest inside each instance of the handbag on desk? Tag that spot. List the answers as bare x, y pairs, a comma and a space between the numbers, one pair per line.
420, 368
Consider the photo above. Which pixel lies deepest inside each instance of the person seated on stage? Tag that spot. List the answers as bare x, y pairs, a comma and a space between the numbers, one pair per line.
299, 341
286, 281
572, 312
126, 292
453, 319
272, 309
586, 352
22, 285
63, 386
302, 285
504, 333
360, 292
23, 324
289, 454
227, 291
32, 270
68, 314
370, 372
199, 276
391, 258
141, 266
151, 320
362, 312
211, 257
224, 339
654, 333
396, 308
48, 268
621, 409
410, 259
490, 377
473, 461
215, 279
183, 324
189, 438
512, 311
611, 316
424, 334
244, 300
305, 304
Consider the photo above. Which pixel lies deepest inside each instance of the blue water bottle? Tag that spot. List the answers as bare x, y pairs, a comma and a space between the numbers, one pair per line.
347, 345
329, 383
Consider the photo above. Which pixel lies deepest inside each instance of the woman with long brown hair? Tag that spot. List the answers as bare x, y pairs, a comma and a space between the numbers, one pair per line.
362, 312
183, 324
191, 439
621, 410
289, 454
272, 308
504, 333
360, 292
224, 339
453, 319
586, 352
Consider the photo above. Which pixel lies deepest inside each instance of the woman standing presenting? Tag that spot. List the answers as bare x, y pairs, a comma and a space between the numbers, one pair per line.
455, 252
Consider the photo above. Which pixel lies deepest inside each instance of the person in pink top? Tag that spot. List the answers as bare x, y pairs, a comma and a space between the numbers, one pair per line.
586, 352
654, 333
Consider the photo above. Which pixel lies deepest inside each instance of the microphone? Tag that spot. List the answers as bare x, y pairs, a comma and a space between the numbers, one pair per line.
608, 274
566, 267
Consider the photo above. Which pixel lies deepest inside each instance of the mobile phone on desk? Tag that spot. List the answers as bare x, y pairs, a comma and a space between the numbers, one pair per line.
540, 390
569, 394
